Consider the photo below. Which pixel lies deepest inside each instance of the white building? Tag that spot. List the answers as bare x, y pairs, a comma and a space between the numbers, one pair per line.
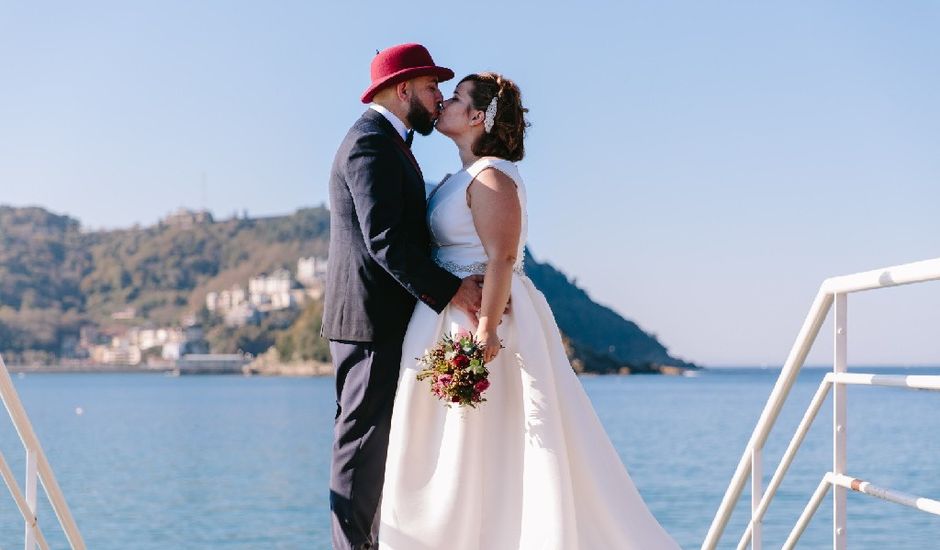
271, 292
311, 271
171, 350
121, 351
279, 281
227, 300
265, 293
148, 338
186, 219
242, 315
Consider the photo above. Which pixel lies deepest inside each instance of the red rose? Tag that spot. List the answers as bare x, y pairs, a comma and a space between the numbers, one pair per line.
481, 385
461, 361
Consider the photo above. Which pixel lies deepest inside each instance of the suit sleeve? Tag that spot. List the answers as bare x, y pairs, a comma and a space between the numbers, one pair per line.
375, 179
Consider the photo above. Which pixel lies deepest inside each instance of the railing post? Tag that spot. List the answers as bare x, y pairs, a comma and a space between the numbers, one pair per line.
839, 393
831, 289
757, 492
24, 428
31, 488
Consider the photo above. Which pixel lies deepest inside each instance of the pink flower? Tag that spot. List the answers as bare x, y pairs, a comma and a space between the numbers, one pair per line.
482, 385
445, 380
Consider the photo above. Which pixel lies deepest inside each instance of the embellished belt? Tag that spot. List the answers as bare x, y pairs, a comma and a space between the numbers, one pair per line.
477, 268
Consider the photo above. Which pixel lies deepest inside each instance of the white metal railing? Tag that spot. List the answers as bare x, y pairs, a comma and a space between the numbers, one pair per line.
37, 468
834, 290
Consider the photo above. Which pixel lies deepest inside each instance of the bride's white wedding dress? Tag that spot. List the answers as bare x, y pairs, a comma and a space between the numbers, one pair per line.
531, 468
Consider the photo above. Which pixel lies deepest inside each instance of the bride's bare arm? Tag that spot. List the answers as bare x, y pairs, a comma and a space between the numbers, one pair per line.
497, 216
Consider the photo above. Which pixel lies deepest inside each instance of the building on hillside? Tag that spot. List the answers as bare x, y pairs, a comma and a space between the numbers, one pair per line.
171, 351
266, 293
241, 315
279, 281
311, 271
271, 292
149, 338
226, 300
121, 350
186, 219
175, 350
132, 346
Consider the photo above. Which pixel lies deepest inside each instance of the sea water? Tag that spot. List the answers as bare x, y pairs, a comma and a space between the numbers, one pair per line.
155, 462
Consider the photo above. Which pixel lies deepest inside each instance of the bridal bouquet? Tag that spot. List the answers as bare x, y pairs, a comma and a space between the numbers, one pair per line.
456, 369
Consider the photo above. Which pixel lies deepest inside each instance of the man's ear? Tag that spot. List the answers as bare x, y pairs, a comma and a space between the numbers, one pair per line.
403, 90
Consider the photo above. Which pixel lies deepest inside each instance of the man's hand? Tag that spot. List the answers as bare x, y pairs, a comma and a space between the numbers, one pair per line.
469, 297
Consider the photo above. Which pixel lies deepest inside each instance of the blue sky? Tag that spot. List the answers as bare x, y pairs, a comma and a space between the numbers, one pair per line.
698, 166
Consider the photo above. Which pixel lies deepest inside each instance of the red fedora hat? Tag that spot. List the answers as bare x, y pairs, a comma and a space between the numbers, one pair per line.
400, 63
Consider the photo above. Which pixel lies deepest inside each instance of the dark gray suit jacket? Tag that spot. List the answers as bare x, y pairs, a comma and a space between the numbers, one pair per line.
380, 262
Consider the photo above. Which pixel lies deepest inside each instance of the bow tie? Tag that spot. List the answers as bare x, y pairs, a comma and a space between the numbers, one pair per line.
409, 137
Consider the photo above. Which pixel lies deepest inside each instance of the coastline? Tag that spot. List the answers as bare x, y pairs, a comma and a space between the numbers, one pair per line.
262, 367
311, 369
87, 368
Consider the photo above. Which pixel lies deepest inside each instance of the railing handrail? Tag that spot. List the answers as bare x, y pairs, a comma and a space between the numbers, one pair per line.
904, 274
916, 272
30, 441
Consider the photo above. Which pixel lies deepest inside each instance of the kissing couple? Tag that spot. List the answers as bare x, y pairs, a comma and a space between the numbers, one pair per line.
531, 468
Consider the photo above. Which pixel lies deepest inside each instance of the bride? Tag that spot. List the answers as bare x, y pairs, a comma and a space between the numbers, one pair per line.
531, 468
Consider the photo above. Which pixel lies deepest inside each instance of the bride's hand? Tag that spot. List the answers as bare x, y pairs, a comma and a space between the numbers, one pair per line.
491, 344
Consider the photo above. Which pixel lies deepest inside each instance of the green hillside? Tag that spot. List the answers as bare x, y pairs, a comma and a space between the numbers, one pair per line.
56, 278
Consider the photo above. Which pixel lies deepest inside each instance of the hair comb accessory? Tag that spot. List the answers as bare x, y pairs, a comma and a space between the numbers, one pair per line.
490, 118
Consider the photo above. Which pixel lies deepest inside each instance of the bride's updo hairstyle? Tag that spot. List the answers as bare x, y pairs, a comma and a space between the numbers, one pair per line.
505, 138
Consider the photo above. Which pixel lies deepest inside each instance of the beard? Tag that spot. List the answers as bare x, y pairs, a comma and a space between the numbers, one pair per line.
419, 117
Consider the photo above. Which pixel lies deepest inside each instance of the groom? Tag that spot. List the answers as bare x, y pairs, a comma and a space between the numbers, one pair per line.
379, 267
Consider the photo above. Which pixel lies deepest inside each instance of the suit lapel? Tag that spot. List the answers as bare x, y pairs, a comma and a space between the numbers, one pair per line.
406, 151
402, 147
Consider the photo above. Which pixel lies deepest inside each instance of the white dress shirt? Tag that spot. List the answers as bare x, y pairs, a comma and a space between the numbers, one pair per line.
390, 116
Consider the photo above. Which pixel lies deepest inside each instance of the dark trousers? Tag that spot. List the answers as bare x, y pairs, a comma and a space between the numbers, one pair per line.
366, 379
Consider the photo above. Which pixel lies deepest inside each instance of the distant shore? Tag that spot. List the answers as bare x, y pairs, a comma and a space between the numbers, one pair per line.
271, 364
87, 368
313, 369
262, 367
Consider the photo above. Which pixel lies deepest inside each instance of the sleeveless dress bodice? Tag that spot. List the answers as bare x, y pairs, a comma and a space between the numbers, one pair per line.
456, 245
